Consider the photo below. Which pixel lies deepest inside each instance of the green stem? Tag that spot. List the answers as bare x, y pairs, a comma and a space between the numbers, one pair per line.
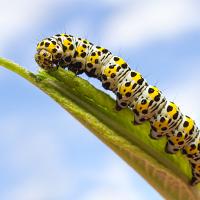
168, 174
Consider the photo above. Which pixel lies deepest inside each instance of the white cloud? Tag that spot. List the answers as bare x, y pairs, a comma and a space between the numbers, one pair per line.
39, 189
185, 94
42, 174
33, 155
78, 27
183, 89
21, 15
36, 160
136, 23
116, 182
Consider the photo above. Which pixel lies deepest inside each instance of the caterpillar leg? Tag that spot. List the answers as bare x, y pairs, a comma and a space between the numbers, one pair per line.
137, 120
194, 181
117, 107
195, 173
171, 148
195, 178
154, 134
175, 142
76, 68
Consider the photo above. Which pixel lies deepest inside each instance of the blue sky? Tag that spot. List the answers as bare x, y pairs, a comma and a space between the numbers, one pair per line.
45, 153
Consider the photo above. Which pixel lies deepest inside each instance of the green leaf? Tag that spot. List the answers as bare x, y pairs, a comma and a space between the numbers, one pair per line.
168, 174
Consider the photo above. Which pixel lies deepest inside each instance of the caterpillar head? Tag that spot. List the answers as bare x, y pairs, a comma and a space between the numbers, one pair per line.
44, 59
49, 53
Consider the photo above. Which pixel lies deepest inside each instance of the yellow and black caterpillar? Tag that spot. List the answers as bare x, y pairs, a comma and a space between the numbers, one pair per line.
132, 90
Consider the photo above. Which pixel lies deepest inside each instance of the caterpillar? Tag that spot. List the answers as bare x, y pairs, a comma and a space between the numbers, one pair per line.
146, 101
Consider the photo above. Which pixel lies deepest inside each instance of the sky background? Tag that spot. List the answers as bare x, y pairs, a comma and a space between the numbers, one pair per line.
45, 153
